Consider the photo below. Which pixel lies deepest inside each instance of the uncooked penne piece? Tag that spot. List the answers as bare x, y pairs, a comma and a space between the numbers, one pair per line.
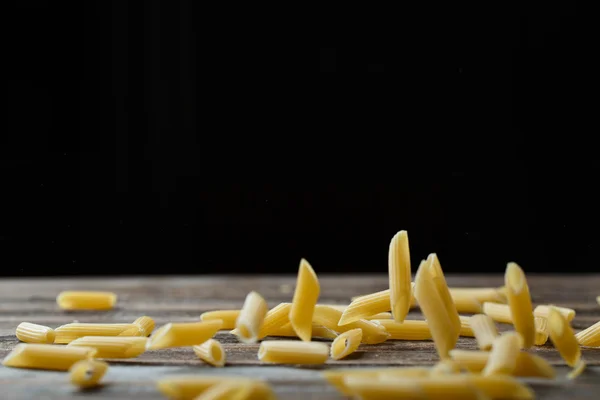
589, 336
339, 307
211, 352
498, 312
346, 343
318, 331
501, 387
366, 306
336, 377
435, 311
251, 318
69, 332
220, 391
328, 317
87, 373
189, 387
86, 300
407, 330
503, 357
564, 340
146, 325
380, 316
544, 311
276, 318
227, 316
399, 277
113, 346
293, 352
519, 302
435, 269
446, 367
413, 301
34, 333
465, 326
528, 365
481, 295
485, 330
183, 334
304, 301
46, 356
541, 331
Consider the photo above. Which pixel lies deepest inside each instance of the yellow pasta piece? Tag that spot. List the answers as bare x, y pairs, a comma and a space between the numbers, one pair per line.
336, 377
541, 331
435, 311
211, 352
339, 307
484, 329
501, 387
227, 316
293, 352
113, 346
328, 317
251, 318
498, 312
589, 336
87, 373
465, 326
346, 343
446, 367
220, 391
183, 334
465, 298
276, 318
564, 340
69, 332
86, 300
304, 301
519, 302
318, 331
503, 357
399, 277
145, 324
189, 387
33, 333
46, 356
544, 311
380, 316
527, 365
407, 330
435, 269
366, 306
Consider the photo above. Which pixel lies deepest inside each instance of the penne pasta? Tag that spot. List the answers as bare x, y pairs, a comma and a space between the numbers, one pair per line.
485, 330
379, 316
276, 318
435, 269
183, 334
189, 387
227, 316
465, 326
211, 352
501, 387
67, 333
541, 331
435, 310
544, 311
446, 367
467, 299
407, 330
498, 312
519, 302
87, 300
251, 318
293, 352
399, 278
328, 317
304, 301
346, 343
336, 377
221, 391
564, 340
589, 336
145, 325
87, 373
527, 365
366, 306
318, 331
113, 346
503, 357
339, 307
33, 333
46, 356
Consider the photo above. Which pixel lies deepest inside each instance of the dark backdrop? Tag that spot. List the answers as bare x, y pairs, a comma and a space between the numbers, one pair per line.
162, 137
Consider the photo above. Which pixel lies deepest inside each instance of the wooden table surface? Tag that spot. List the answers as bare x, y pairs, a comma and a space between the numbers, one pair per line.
172, 299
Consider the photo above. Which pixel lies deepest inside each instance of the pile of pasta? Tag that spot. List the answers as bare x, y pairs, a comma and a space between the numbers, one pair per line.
488, 373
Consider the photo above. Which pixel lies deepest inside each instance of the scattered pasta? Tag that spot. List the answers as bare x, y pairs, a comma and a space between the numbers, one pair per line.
211, 352
33, 333
465, 326
189, 387
470, 300
503, 357
519, 302
145, 324
67, 333
407, 330
227, 316
113, 346
329, 317
304, 301
485, 330
88, 300
541, 331
276, 318
183, 334
498, 312
346, 343
87, 373
366, 306
527, 365
46, 356
564, 340
399, 278
293, 352
251, 318
589, 336
544, 311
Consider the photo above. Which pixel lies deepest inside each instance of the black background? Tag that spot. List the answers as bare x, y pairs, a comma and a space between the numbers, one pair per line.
162, 137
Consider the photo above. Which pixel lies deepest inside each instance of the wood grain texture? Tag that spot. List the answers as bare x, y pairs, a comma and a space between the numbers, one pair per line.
184, 298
